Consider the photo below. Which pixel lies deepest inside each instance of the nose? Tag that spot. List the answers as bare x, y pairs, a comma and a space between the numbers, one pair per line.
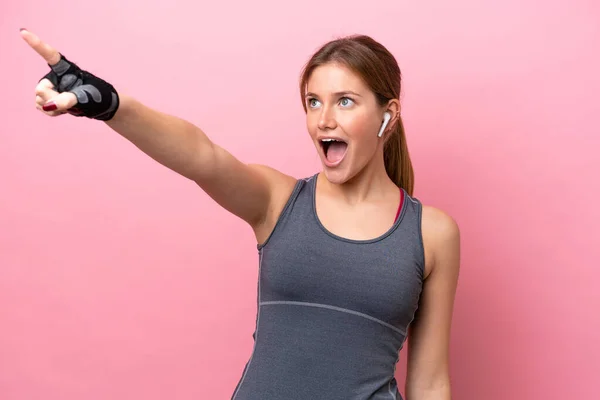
327, 119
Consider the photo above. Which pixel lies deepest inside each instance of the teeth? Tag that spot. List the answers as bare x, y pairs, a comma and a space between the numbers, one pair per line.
328, 140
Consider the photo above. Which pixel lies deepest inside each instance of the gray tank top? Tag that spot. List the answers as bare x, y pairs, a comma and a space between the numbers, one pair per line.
332, 313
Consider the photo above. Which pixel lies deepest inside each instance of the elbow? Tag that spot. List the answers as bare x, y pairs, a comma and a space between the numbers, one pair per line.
438, 389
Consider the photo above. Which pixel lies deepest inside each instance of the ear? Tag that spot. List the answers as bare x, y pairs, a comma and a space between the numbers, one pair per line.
393, 109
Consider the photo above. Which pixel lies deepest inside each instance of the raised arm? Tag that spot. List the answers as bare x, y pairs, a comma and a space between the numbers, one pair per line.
253, 192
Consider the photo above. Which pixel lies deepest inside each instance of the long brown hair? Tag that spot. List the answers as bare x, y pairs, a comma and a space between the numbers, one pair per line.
380, 71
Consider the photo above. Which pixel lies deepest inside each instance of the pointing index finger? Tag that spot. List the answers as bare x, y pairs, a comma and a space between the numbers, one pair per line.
49, 53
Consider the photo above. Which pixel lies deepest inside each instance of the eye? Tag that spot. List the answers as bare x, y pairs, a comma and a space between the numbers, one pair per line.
312, 102
346, 102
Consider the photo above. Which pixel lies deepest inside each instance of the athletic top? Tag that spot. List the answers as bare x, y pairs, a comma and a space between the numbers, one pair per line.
332, 313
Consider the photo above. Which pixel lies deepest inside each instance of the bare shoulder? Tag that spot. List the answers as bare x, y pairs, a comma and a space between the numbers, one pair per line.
441, 237
439, 223
272, 174
278, 182
280, 186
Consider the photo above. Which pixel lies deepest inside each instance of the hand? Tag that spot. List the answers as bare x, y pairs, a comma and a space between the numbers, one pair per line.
69, 89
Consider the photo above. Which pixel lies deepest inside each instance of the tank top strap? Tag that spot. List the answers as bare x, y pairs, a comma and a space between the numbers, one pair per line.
287, 209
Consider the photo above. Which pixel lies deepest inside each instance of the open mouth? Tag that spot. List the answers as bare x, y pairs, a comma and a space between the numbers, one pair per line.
334, 149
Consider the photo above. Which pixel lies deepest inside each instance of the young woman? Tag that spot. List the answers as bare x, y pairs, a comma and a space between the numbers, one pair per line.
351, 264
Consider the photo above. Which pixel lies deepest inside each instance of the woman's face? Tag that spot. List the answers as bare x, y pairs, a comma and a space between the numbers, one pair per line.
343, 119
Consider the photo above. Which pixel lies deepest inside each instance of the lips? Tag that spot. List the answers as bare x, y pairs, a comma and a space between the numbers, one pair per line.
334, 150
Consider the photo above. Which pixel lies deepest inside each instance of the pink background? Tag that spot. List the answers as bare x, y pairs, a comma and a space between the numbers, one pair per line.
120, 279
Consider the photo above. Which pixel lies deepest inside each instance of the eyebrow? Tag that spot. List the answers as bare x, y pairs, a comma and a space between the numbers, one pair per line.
337, 94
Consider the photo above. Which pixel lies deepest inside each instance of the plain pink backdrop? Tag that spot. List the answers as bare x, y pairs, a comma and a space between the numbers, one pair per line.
120, 279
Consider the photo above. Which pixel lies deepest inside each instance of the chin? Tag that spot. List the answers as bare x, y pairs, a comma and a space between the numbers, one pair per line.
338, 175
334, 176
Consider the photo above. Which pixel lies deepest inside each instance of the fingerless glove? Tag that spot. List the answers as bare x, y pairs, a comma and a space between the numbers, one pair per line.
96, 98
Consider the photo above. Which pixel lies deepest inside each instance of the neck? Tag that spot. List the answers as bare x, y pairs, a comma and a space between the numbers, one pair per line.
372, 182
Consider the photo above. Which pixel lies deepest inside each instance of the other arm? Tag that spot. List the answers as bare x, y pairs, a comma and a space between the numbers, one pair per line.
428, 375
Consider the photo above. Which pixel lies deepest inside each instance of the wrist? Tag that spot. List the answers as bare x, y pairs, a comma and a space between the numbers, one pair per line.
126, 107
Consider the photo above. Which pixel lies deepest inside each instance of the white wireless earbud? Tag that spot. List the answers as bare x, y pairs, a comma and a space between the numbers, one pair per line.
386, 118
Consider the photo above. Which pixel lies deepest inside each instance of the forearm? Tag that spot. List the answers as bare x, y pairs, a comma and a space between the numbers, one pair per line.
171, 141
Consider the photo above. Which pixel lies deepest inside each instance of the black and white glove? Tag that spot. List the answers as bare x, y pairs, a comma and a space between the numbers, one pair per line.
69, 89
96, 98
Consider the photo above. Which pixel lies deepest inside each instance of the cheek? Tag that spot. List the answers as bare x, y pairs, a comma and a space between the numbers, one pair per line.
312, 123
359, 127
